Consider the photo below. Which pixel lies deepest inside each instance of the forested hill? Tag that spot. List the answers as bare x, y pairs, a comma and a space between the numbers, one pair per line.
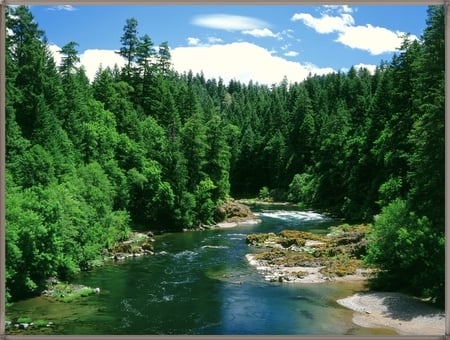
145, 147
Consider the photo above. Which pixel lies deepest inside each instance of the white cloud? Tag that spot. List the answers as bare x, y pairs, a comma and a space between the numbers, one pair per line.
54, 49
376, 40
193, 41
369, 67
242, 61
326, 23
214, 40
291, 54
228, 22
67, 8
289, 33
91, 59
338, 8
261, 33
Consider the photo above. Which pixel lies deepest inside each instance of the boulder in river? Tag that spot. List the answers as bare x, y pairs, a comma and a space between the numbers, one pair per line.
233, 211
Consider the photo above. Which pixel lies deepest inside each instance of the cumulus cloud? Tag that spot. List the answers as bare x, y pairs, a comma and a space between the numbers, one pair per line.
242, 61
291, 54
54, 49
261, 33
376, 40
326, 23
91, 59
228, 22
368, 67
193, 41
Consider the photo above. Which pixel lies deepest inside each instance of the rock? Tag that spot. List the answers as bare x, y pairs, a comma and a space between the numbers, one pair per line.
220, 213
24, 325
52, 280
97, 290
233, 211
146, 246
330, 257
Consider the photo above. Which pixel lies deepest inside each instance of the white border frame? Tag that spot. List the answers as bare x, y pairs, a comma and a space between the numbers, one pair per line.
4, 3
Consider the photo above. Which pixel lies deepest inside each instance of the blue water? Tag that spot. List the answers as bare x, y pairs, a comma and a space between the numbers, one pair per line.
201, 283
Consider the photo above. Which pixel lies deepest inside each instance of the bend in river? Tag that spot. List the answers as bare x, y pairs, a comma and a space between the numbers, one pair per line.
201, 283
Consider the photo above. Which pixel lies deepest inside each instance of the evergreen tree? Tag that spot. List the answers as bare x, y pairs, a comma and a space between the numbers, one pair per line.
130, 43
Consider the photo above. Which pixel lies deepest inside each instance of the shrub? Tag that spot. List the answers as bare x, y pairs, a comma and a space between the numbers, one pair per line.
302, 189
264, 193
24, 320
409, 252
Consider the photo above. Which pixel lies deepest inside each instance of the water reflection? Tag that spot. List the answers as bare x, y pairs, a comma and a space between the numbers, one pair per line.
201, 283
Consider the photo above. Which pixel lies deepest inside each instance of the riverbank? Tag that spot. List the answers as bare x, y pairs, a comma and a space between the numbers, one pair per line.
301, 257
406, 315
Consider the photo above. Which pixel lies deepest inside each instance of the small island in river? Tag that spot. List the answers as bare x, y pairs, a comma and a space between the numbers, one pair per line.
294, 256
299, 256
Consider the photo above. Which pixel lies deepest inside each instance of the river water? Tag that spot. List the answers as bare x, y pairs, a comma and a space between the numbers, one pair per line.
200, 283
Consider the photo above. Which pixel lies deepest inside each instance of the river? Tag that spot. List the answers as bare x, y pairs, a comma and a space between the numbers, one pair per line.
199, 282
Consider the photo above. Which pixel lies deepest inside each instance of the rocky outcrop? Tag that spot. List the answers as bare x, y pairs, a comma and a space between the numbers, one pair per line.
298, 256
138, 244
233, 211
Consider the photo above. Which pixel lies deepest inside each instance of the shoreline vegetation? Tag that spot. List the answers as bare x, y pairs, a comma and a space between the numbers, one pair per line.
302, 257
292, 256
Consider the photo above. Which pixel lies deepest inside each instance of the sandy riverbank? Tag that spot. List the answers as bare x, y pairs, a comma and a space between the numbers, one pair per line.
401, 313
404, 314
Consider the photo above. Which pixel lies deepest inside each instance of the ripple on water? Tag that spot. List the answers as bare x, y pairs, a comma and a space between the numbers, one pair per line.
187, 254
214, 247
292, 215
236, 236
127, 306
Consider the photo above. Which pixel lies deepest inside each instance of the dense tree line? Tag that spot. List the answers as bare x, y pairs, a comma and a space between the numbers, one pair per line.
144, 147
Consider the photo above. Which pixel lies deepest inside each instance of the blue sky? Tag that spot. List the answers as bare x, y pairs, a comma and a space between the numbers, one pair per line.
258, 42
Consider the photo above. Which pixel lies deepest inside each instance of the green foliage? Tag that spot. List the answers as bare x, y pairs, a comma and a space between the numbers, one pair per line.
24, 320
408, 251
390, 190
40, 323
145, 147
205, 204
264, 193
301, 189
65, 292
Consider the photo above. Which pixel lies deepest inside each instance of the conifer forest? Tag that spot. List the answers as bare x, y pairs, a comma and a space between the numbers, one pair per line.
144, 148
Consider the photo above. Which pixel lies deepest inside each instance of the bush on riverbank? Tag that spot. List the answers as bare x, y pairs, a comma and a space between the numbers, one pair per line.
65, 292
23, 324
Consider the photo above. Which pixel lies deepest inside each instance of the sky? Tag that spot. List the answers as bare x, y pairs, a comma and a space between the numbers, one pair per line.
262, 43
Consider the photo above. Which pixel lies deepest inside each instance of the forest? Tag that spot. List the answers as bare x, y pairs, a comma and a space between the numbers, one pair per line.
144, 148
